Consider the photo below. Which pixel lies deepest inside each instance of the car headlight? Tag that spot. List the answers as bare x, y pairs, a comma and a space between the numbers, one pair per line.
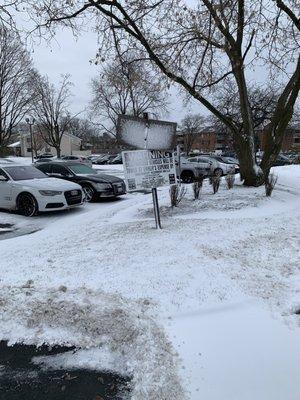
50, 192
103, 186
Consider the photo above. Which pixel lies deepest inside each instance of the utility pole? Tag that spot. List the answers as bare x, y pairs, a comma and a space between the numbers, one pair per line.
30, 121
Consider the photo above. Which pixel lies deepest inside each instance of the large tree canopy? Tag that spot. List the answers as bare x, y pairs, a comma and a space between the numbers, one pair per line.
197, 45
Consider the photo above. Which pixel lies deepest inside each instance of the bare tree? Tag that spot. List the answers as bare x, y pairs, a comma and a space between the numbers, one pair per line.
197, 45
7, 10
51, 110
38, 142
262, 100
190, 127
16, 95
126, 87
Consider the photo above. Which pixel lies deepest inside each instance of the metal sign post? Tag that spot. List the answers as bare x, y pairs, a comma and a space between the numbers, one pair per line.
154, 190
178, 150
155, 165
156, 209
149, 169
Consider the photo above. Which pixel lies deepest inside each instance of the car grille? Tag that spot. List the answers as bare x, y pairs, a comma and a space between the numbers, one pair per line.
54, 205
73, 197
119, 188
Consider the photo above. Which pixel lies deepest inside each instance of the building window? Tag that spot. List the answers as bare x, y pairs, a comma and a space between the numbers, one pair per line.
28, 149
297, 140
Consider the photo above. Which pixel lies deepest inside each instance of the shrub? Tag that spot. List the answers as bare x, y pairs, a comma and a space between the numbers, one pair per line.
197, 186
177, 193
270, 183
230, 179
216, 183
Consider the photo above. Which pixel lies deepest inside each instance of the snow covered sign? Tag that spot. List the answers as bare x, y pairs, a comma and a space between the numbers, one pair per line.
144, 133
147, 169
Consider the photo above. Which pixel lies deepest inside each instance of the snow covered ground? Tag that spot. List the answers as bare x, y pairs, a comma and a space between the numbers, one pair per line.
204, 309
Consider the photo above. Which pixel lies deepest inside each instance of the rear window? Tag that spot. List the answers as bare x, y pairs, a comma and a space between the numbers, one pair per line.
21, 173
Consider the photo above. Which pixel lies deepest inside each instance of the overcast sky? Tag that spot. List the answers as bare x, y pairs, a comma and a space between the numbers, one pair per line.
69, 55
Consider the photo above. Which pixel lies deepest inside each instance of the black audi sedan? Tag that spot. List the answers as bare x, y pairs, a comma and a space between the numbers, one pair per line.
94, 185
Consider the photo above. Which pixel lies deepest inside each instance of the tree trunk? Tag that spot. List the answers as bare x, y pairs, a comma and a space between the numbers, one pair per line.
280, 120
2, 151
273, 144
251, 174
58, 151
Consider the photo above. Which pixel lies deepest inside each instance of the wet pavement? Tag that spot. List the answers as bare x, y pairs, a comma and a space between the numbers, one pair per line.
21, 379
8, 231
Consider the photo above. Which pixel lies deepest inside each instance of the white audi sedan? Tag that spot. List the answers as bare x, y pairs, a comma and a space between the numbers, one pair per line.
28, 190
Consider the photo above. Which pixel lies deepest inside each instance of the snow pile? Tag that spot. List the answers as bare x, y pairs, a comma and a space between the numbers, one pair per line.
113, 333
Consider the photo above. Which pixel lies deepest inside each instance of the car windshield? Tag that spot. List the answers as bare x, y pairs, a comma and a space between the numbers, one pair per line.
230, 160
22, 173
81, 169
282, 157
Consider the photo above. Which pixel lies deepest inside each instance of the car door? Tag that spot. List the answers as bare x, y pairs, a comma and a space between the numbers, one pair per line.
5, 190
204, 165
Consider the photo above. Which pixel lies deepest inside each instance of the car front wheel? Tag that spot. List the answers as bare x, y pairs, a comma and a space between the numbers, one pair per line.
218, 172
89, 193
187, 176
27, 205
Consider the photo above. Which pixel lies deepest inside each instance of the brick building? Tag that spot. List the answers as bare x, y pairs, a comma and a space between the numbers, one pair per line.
291, 139
208, 140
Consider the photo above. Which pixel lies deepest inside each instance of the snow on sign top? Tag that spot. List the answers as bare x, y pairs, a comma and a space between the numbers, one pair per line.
147, 134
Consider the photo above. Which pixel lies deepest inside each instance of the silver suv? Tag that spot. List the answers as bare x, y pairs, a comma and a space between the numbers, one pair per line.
193, 167
189, 170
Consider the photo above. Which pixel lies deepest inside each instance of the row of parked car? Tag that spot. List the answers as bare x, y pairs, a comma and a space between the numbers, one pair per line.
205, 165
101, 159
57, 184
53, 185
97, 159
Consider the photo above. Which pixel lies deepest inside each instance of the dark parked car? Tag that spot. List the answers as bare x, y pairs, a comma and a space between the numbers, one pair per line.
45, 155
81, 159
42, 160
105, 159
94, 185
282, 160
116, 160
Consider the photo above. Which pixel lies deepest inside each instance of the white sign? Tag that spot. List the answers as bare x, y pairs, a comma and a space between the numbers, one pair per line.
146, 133
147, 169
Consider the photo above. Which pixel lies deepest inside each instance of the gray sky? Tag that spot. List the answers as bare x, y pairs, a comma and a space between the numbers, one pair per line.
69, 55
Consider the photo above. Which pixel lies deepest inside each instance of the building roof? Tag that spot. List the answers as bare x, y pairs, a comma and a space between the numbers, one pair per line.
16, 144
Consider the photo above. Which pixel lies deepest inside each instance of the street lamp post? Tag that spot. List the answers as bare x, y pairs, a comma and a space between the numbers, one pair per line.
30, 122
